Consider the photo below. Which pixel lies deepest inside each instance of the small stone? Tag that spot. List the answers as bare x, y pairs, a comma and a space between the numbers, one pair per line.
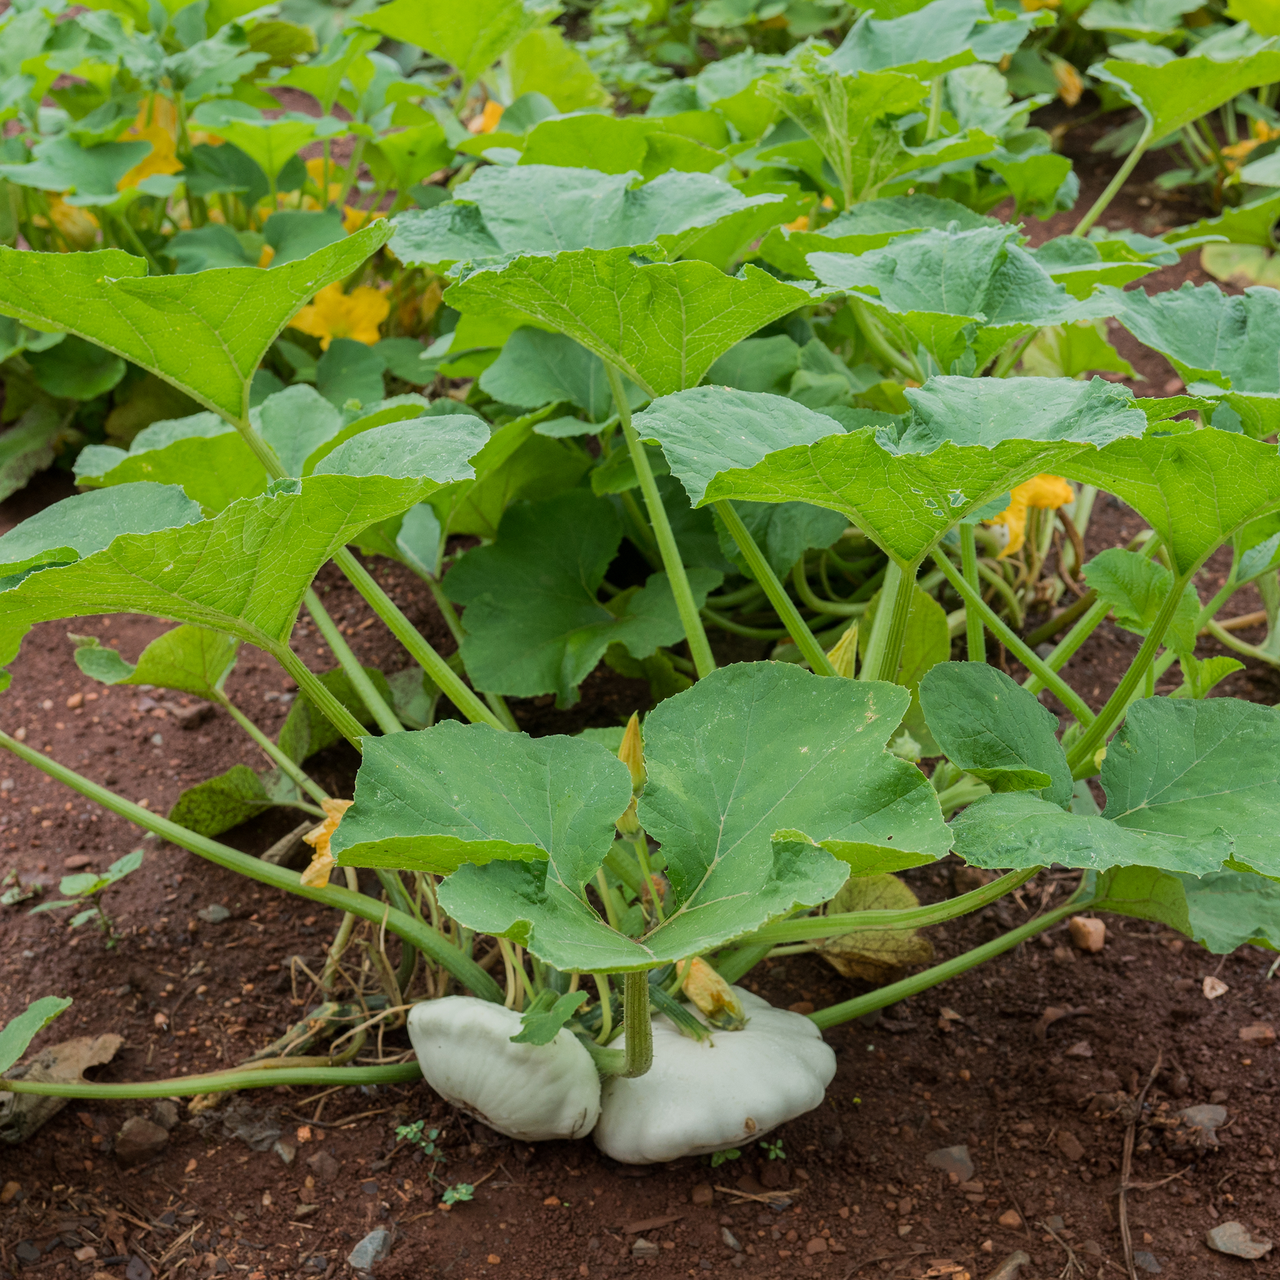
137, 1269
317, 1262
1205, 1116
643, 1248
77, 862
370, 1188
373, 1248
27, 1252
305, 1211
702, 1194
1213, 988
1010, 1218
285, 1150
1218, 1096
1092, 1248
1237, 1240
165, 1113
139, 1140
1087, 934
816, 1245
86, 1254
324, 1166
1055, 1222
215, 913
1258, 1033
952, 1160
1147, 1262
192, 717
1081, 1049
10, 1192
1070, 1145
76, 700
730, 1239
1009, 1268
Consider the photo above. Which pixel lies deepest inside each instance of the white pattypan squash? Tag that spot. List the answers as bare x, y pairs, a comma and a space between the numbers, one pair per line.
722, 1092
527, 1091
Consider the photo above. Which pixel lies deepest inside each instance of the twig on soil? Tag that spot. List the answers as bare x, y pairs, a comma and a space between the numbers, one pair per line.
1126, 1168
854, 1268
1004, 1182
1073, 1263
763, 1197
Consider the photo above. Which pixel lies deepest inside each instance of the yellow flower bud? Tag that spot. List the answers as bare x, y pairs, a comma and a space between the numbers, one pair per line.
712, 995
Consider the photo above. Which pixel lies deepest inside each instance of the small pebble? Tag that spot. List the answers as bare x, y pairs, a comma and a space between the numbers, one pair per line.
373, 1248
702, 1194
1214, 987
1258, 1033
1087, 934
1011, 1219
10, 1192
1237, 1240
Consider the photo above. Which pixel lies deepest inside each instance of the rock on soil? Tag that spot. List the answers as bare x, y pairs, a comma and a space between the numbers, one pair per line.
373, 1248
952, 1160
138, 1141
1237, 1240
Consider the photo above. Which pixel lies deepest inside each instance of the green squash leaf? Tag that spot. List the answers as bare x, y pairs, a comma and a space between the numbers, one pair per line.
783, 531
307, 730
205, 333
1218, 343
968, 441
538, 208
542, 1020
953, 291
282, 538
1190, 785
470, 37
875, 955
533, 621
217, 804
991, 727
662, 324
446, 796
1135, 587
187, 659
1167, 478
1182, 90
22, 1029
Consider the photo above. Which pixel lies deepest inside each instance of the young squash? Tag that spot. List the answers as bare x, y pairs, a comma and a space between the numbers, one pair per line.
527, 1091
710, 1095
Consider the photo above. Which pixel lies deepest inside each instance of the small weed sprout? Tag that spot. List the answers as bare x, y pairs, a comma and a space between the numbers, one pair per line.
773, 1150
85, 891
723, 1157
428, 1142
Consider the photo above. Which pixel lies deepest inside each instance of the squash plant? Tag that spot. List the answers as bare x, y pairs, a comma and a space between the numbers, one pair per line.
629, 886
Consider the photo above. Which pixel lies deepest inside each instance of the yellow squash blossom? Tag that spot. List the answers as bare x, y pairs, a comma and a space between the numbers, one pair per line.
1070, 86
487, 120
334, 314
1040, 491
800, 224
712, 994
354, 220
156, 123
78, 227
322, 861
1238, 152
315, 171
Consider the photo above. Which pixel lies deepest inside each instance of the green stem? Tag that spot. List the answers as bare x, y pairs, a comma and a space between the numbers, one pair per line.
222, 1082
636, 1024
860, 1006
834, 608
975, 636
782, 603
447, 681
1067, 646
273, 752
741, 629
1028, 657
889, 628
404, 926
1101, 203
606, 1007
732, 965
641, 844
1046, 630
876, 340
1081, 755
804, 928
699, 647
1012, 353
934, 124
1006, 592
384, 717
1224, 636
318, 692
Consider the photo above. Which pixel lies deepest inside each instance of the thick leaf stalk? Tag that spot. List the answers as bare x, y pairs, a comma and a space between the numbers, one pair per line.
889, 628
1081, 756
782, 603
447, 680
410, 930
1113, 187
695, 633
975, 636
222, 1082
882, 997
359, 677
636, 1024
